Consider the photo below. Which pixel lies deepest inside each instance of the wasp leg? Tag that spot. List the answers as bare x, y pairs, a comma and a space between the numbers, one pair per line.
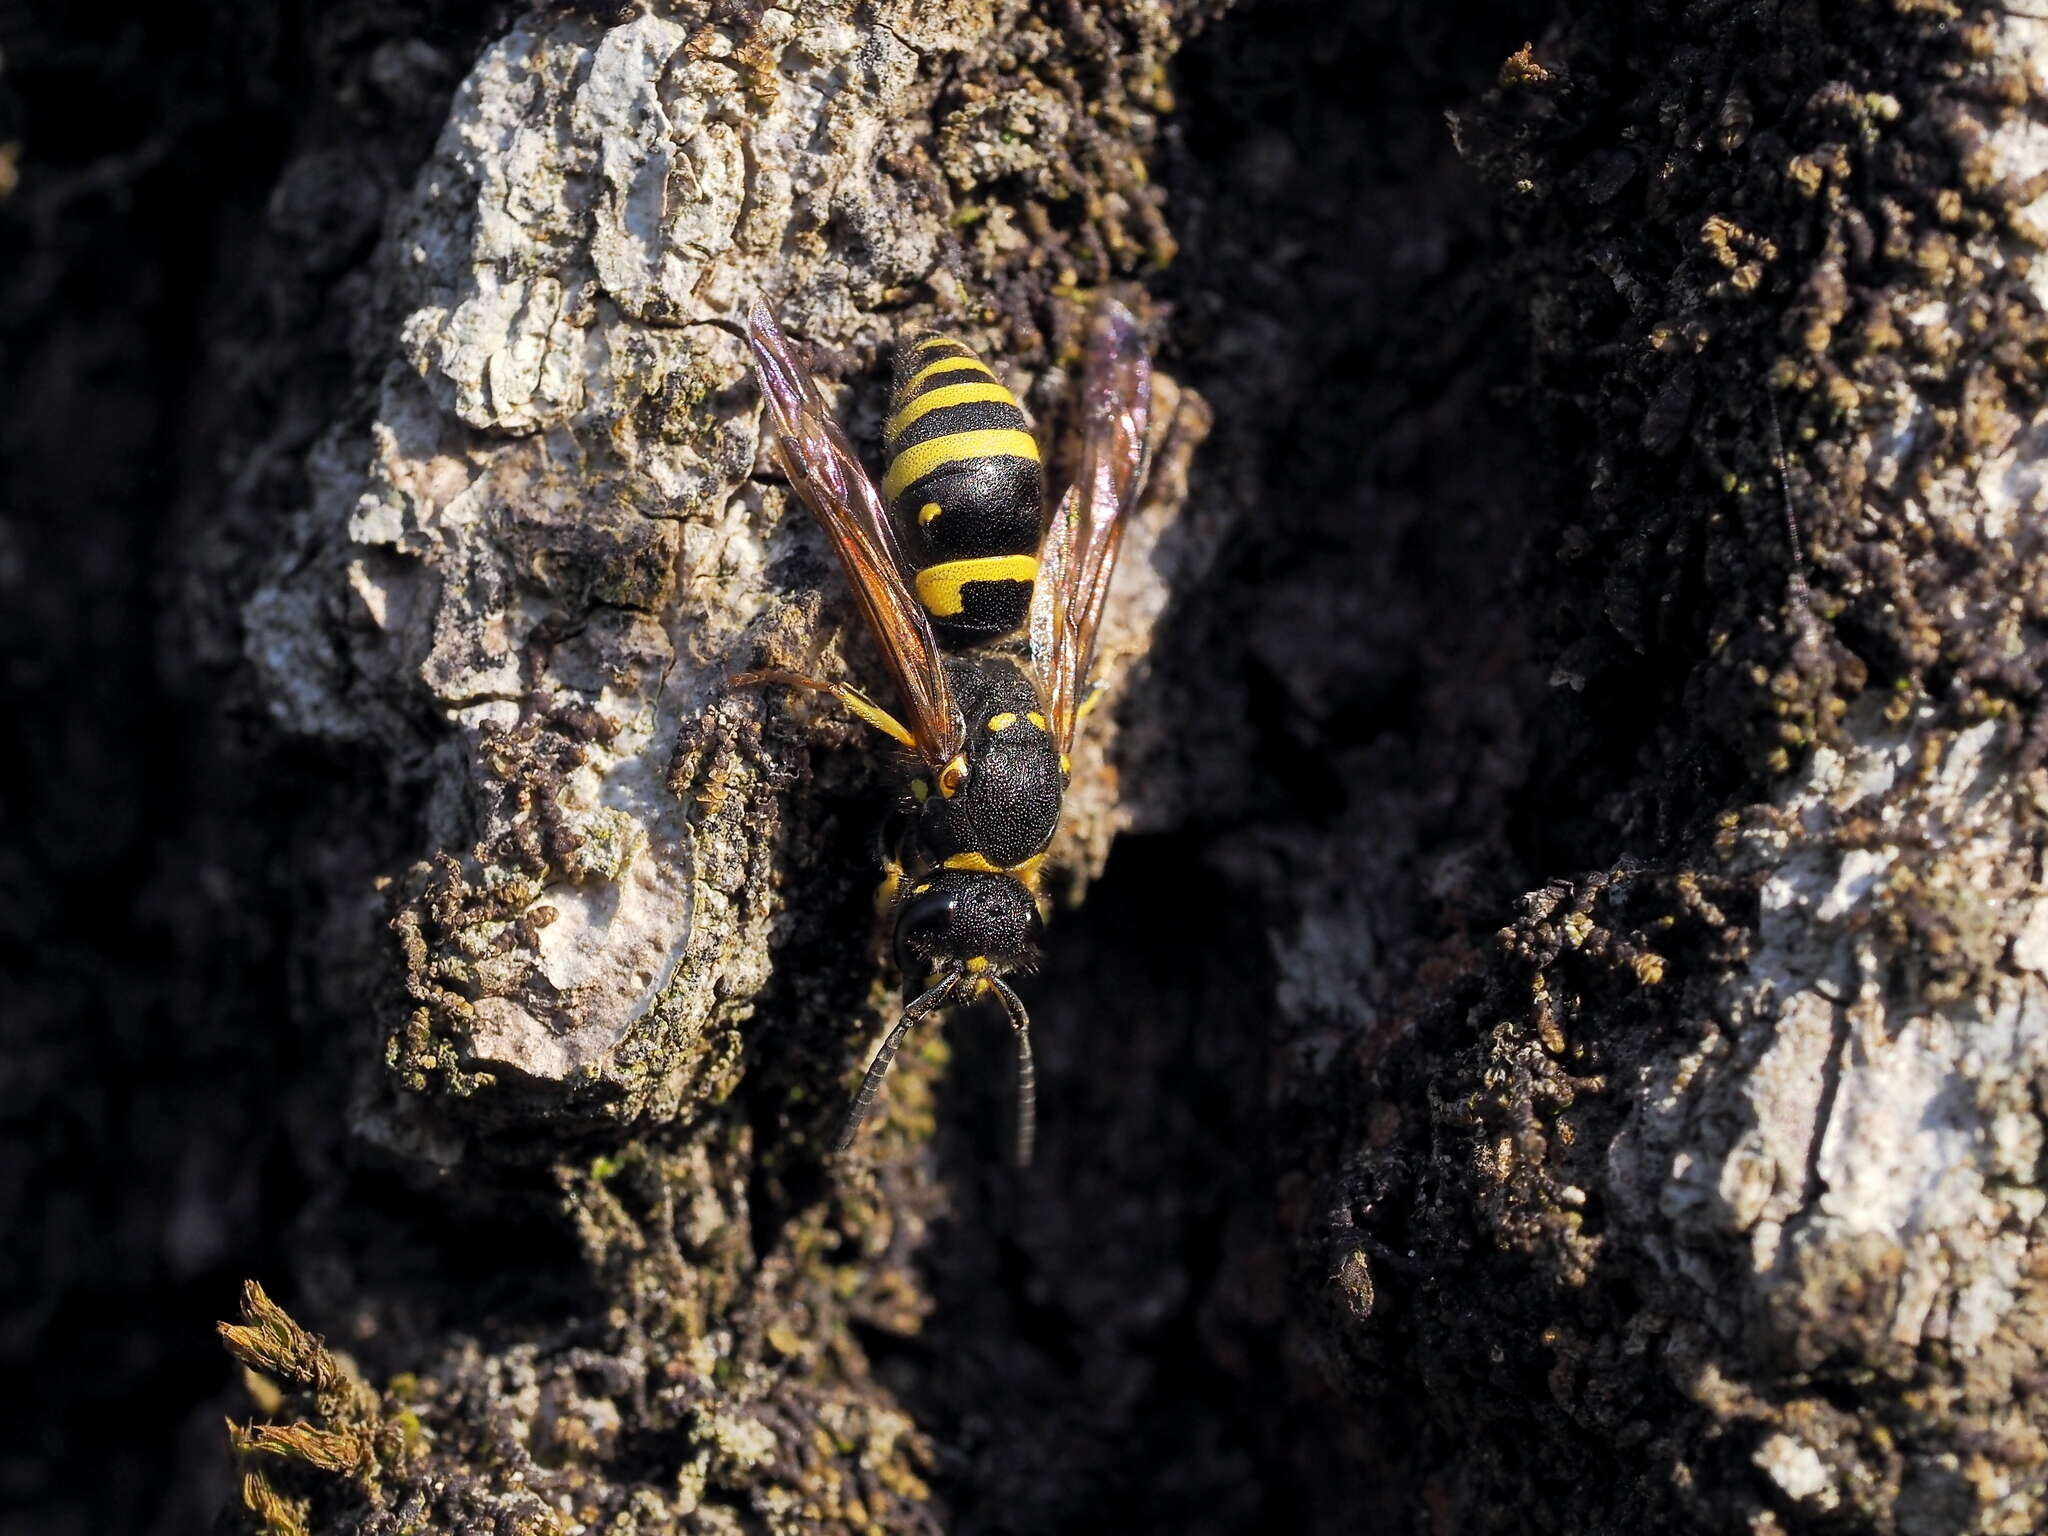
1027, 1073
892, 852
862, 707
879, 1068
1031, 875
887, 892
892, 839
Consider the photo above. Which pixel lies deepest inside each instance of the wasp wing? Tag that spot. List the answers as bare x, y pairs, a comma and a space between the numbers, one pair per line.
1079, 553
828, 475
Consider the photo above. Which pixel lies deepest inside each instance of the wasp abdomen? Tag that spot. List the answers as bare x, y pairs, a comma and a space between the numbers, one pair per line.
964, 472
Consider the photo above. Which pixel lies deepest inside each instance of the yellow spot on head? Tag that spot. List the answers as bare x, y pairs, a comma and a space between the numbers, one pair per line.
953, 775
978, 964
941, 587
1036, 719
976, 863
927, 512
1001, 722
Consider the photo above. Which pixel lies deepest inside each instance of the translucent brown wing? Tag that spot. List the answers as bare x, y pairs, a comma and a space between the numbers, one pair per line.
1079, 553
828, 475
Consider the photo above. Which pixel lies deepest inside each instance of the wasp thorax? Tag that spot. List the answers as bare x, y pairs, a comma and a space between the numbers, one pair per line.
1000, 797
957, 916
1005, 807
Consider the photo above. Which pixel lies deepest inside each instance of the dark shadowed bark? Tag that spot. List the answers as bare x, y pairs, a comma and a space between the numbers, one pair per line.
1545, 1024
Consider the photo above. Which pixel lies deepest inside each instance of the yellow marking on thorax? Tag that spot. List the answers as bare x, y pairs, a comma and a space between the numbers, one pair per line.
1036, 719
938, 399
946, 365
1001, 722
940, 587
927, 512
914, 463
978, 964
1025, 874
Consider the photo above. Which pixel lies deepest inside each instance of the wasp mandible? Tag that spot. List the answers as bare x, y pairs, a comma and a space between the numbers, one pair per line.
948, 558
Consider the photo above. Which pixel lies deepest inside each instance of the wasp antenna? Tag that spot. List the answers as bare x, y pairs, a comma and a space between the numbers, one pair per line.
1027, 1072
1801, 594
934, 997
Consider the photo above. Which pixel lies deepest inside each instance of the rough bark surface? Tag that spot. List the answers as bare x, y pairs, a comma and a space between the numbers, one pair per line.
1555, 1035
1713, 1188
618, 982
557, 532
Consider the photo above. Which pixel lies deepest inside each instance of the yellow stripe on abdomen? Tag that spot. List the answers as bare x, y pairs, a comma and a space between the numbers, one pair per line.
939, 587
914, 463
938, 399
944, 365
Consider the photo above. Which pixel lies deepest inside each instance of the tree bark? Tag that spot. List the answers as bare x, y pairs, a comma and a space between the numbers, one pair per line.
627, 971
1711, 1190
1554, 1033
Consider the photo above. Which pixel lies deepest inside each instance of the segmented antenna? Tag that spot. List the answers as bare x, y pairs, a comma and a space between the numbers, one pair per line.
1027, 1073
879, 1067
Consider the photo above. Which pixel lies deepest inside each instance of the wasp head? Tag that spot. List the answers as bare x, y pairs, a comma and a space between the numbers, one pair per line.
956, 917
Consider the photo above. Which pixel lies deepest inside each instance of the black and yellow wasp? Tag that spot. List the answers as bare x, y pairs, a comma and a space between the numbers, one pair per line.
952, 553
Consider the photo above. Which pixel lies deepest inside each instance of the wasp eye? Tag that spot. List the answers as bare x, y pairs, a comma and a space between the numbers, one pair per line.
953, 775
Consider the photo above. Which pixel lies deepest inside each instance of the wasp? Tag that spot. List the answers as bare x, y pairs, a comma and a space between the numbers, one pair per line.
949, 558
